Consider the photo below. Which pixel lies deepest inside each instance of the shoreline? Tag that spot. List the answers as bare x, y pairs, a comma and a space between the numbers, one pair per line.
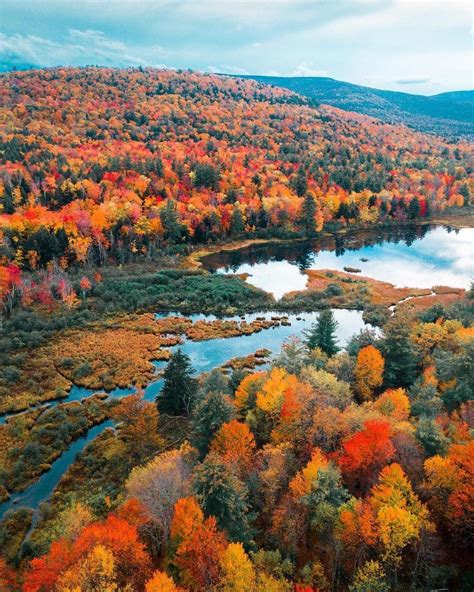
194, 261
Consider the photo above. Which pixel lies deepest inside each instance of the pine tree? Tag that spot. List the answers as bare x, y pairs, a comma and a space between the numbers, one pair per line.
236, 222
223, 495
323, 333
400, 358
307, 215
211, 413
179, 392
301, 183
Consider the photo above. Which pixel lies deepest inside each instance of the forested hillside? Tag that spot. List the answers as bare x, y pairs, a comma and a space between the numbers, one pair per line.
449, 114
104, 164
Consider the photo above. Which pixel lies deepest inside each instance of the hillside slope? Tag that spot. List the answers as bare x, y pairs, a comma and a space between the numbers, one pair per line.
449, 114
100, 163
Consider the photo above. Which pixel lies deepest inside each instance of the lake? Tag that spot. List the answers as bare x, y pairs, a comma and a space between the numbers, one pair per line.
420, 257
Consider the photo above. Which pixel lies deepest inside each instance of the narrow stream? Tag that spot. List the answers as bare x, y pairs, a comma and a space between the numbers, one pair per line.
204, 355
42, 489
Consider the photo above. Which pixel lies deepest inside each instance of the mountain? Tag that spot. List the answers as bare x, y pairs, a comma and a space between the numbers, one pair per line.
448, 114
99, 163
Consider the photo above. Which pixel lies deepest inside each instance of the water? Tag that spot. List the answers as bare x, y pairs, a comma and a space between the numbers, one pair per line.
204, 355
42, 489
420, 258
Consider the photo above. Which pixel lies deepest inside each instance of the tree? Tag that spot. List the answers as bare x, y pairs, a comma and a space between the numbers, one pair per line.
369, 371
456, 370
161, 582
235, 444
365, 453
300, 182
138, 426
399, 355
370, 577
236, 222
307, 219
211, 413
223, 495
159, 484
323, 333
178, 395
174, 230
238, 572
198, 556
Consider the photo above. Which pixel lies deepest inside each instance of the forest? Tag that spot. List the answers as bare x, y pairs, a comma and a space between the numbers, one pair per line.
105, 165
316, 468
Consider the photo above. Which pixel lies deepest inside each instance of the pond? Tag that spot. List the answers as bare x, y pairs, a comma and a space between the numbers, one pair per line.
204, 355
419, 257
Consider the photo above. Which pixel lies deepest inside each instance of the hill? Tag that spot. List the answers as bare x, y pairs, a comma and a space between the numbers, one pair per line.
449, 114
102, 164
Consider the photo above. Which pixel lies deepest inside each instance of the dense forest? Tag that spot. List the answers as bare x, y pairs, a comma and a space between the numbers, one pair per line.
447, 114
315, 468
330, 470
106, 165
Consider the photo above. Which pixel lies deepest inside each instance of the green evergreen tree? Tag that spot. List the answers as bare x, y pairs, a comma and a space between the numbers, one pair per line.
323, 333
306, 220
300, 183
215, 410
223, 495
236, 222
175, 231
179, 393
400, 357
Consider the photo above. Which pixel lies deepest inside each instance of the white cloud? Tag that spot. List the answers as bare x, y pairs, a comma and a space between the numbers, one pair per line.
414, 80
305, 69
78, 48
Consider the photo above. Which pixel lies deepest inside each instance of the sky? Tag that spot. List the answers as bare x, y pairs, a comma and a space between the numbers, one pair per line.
417, 46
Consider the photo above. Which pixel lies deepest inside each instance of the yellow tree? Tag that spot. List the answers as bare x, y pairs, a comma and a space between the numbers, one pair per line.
369, 371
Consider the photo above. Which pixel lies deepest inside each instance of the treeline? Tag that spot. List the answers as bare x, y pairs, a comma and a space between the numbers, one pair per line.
330, 470
103, 164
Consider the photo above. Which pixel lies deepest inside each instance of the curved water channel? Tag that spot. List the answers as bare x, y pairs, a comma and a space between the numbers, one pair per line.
204, 355
421, 257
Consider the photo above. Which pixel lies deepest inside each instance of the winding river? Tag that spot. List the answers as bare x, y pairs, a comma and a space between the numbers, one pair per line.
417, 258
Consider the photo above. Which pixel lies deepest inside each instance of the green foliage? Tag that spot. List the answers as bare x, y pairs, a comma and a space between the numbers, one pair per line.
399, 354
323, 333
459, 368
213, 411
223, 495
179, 393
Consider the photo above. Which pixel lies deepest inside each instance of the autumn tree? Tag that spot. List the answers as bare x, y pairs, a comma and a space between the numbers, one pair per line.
138, 424
159, 484
235, 444
369, 371
365, 453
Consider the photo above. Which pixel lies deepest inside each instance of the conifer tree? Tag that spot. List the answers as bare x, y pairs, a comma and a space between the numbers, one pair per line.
323, 333
179, 392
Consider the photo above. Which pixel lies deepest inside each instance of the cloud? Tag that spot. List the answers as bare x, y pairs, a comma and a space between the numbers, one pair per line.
305, 69
77, 48
414, 80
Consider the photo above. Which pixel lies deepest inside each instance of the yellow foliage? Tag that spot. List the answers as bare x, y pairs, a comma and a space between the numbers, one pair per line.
238, 572
303, 481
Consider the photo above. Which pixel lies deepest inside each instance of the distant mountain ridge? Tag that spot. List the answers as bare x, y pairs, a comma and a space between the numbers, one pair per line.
449, 114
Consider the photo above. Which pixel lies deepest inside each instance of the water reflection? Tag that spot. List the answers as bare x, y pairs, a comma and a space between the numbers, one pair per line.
415, 257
